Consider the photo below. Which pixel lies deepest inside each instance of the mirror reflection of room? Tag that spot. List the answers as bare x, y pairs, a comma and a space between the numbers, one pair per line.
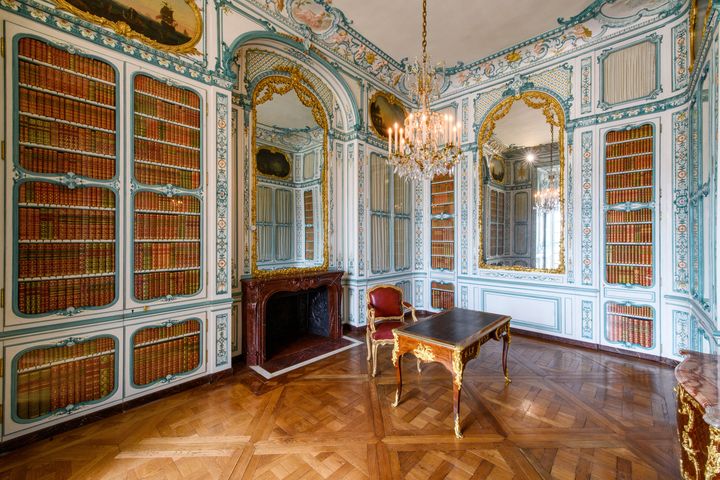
521, 191
288, 164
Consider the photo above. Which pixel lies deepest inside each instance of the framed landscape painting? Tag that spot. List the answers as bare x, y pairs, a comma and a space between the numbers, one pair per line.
385, 111
169, 25
273, 162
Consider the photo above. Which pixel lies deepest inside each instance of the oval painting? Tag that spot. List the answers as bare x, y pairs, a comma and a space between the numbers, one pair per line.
171, 25
272, 162
385, 111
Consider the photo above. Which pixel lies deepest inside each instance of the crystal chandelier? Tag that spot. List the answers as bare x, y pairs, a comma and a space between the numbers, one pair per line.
547, 198
428, 144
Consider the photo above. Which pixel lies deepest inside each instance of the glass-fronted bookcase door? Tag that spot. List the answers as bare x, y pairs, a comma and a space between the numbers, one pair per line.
64, 198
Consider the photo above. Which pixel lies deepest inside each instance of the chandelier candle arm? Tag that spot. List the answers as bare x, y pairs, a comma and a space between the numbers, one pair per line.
428, 142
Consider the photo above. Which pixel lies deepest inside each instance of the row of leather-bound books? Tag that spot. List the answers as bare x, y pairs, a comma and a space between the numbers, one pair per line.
166, 357
61, 135
164, 154
630, 134
156, 88
629, 148
632, 330
167, 132
65, 82
153, 256
159, 108
162, 175
41, 51
53, 259
629, 254
65, 224
44, 193
445, 249
634, 216
629, 274
442, 295
158, 226
637, 195
629, 233
33, 102
44, 160
441, 263
631, 310
36, 297
50, 379
629, 164
632, 179
161, 284
162, 203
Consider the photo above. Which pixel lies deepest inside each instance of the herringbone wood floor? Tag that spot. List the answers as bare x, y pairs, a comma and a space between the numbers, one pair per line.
569, 413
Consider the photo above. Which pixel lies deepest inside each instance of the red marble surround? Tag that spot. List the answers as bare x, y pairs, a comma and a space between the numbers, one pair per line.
257, 291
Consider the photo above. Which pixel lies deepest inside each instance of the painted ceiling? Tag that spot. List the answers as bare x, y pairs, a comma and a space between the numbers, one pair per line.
458, 30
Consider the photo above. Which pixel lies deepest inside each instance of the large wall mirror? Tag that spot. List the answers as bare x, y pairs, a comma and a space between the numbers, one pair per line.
289, 201
522, 203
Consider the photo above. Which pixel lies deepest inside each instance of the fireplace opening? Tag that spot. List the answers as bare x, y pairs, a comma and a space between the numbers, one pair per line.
296, 321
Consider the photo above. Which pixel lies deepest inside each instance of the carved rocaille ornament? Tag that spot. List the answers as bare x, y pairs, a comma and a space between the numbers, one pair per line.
700, 442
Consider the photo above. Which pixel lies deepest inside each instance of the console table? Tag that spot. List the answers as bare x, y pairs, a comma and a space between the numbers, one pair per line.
451, 338
698, 423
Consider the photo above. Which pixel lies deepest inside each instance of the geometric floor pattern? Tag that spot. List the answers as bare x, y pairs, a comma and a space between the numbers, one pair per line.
569, 413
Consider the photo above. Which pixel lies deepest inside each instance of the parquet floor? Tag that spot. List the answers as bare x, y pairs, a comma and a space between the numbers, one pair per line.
569, 413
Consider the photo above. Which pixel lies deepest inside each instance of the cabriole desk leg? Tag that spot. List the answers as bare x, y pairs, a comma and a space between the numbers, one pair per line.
506, 347
457, 369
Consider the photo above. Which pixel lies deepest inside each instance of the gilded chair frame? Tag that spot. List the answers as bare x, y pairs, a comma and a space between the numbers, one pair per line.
555, 116
280, 84
372, 345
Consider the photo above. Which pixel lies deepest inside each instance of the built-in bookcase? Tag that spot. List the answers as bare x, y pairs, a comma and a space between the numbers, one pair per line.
442, 223
630, 206
60, 378
442, 295
65, 232
167, 224
309, 225
630, 324
163, 352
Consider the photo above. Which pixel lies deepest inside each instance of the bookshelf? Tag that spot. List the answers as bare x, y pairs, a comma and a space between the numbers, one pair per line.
163, 352
65, 232
167, 223
630, 324
61, 378
309, 226
442, 295
496, 224
629, 206
442, 223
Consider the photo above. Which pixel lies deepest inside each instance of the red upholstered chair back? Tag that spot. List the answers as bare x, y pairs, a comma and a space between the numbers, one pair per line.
387, 301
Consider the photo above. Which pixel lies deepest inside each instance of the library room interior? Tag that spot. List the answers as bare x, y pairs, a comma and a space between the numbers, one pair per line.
348, 239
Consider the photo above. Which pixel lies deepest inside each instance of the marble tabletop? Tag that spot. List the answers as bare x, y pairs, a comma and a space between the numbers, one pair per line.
698, 375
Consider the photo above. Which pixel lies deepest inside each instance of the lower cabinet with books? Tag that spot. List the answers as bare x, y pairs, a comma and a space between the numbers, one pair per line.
165, 350
54, 376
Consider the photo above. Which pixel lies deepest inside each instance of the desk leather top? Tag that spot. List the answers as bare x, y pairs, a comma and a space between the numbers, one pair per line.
457, 327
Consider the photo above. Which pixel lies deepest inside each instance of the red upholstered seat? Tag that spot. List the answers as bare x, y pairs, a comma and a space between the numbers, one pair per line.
383, 330
387, 302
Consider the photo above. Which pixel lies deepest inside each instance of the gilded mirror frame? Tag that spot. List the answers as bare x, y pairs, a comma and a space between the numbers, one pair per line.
692, 23
554, 115
264, 92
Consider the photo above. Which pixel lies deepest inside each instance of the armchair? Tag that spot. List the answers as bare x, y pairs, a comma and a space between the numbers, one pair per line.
386, 310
